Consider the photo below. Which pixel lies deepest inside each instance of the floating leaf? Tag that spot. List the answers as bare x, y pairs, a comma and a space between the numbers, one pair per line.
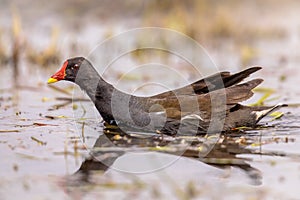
282, 78
276, 115
75, 106
45, 99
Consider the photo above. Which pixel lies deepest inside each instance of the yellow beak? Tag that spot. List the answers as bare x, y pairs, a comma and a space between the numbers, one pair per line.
52, 80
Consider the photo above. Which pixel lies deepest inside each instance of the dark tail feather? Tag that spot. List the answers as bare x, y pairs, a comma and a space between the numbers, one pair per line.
211, 83
238, 77
222, 80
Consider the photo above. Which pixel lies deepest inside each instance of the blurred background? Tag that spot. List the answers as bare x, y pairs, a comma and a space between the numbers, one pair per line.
236, 34
39, 144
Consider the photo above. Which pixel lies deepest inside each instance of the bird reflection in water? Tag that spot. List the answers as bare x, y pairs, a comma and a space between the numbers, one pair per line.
114, 143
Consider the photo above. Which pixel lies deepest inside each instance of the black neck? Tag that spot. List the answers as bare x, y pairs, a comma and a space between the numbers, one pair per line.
96, 88
109, 101
88, 80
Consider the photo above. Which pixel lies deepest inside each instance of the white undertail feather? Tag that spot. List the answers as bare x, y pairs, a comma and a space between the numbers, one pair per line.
263, 113
192, 116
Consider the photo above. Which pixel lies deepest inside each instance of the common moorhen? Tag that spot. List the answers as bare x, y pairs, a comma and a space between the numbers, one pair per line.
208, 105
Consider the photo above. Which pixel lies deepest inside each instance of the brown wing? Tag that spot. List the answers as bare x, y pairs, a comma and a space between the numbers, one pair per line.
177, 106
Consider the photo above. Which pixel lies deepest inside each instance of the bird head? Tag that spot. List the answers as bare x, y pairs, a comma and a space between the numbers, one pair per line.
68, 71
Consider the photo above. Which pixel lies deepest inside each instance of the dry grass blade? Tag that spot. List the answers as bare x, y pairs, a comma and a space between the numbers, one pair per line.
38, 141
9, 131
43, 124
16, 30
50, 55
71, 99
